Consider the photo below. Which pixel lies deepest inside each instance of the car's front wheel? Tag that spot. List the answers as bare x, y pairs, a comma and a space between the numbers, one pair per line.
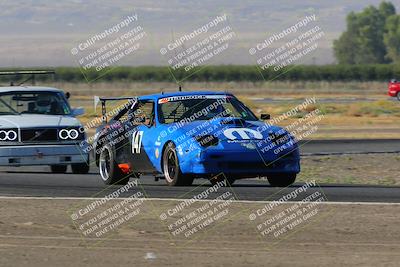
58, 168
281, 180
172, 171
109, 170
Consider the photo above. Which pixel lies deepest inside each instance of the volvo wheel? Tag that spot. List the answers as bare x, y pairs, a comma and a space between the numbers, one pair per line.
80, 168
58, 168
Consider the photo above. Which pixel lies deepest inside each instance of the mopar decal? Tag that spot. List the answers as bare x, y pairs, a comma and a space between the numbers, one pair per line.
137, 142
244, 133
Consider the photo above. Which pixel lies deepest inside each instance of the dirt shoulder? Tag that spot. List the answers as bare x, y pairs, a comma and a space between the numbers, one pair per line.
371, 169
41, 233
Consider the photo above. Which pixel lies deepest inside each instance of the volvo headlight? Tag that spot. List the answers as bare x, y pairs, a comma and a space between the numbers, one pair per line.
68, 134
8, 135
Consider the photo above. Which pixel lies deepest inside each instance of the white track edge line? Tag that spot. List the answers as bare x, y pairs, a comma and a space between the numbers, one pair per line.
179, 200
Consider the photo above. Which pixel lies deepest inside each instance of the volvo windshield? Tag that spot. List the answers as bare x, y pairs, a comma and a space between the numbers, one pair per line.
51, 103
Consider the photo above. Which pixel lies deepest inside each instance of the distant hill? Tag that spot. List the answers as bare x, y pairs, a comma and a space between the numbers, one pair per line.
42, 32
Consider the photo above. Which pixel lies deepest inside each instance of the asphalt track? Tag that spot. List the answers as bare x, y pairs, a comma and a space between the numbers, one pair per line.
38, 182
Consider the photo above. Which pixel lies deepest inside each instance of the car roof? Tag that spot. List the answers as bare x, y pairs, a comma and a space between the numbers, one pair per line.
169, 94
28, 89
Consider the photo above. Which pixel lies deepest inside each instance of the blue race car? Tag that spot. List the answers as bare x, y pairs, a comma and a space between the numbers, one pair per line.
181, 136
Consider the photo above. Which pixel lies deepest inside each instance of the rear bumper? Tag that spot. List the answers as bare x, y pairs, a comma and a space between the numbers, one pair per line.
241, 164
30, 155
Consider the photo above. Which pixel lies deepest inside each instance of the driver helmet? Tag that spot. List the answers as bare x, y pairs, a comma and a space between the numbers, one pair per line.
43, 103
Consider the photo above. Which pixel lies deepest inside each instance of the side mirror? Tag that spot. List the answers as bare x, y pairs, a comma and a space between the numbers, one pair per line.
265, 117
78, 111
67, 95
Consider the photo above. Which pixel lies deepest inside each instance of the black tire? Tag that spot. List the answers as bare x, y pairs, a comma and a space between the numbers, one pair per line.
109, 171
80, 168
58, 168
171, 169
281, 180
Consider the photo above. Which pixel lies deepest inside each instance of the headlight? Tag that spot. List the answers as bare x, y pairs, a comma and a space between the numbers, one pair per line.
71, 134
8, 135
207, 140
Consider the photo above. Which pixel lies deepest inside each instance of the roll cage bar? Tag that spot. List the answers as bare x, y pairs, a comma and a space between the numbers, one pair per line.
32, 74
132, 102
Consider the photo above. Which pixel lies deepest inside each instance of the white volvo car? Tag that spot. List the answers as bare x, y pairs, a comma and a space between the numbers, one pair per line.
38, 127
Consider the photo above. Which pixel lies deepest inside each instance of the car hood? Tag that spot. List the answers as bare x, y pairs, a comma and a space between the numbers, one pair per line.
37, 120
235, 129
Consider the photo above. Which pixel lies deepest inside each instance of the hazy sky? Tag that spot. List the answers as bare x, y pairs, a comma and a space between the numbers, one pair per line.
43, 32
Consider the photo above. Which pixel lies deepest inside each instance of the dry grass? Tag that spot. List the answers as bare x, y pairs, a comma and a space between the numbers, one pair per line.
379, 169
261, 89
363, 116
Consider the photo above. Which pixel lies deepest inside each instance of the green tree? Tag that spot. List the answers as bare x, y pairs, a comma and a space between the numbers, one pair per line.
387, 9
370, 46
363, 40
345, 47
392, 38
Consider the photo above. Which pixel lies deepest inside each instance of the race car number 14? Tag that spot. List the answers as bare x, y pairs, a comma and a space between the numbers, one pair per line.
137, 142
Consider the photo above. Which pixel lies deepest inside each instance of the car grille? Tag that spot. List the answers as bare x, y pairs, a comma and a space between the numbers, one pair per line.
39, 135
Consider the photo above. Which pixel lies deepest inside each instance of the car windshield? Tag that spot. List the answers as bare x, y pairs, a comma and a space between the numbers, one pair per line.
202, 107
51, 103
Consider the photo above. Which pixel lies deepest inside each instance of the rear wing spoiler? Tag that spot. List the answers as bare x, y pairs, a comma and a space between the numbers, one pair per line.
131, 100
32, 74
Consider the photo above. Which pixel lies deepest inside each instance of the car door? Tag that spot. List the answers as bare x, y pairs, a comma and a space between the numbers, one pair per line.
140, 135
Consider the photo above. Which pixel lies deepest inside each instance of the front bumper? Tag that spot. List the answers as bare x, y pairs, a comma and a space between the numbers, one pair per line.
393, 93
29, 155
241, 163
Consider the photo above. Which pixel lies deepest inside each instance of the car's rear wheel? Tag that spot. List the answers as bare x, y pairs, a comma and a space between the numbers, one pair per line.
109, 170
281, 180
58, 168
172, 171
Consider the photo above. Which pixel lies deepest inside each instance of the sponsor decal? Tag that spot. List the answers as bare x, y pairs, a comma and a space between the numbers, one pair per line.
163, 100
188, 97
248, 145
243, 133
